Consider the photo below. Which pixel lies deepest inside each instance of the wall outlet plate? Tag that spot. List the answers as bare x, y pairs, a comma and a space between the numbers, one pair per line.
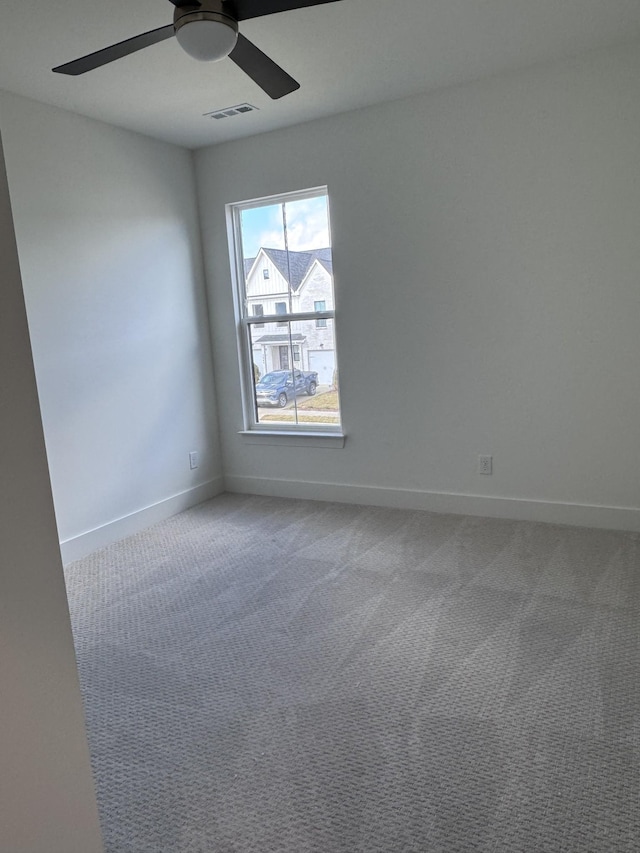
485, 464
193, 459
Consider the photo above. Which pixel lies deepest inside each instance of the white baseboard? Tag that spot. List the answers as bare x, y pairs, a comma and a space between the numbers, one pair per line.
79, 546
581, 515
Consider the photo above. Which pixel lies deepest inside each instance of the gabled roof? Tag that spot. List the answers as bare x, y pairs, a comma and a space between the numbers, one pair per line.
295, 263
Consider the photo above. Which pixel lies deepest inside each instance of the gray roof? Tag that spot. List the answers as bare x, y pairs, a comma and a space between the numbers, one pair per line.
279, 339
298, 263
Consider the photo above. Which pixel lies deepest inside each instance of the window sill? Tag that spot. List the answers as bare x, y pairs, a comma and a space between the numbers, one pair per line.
334, 440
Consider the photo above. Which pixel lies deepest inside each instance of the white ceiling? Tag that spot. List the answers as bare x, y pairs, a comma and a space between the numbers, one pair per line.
346, 55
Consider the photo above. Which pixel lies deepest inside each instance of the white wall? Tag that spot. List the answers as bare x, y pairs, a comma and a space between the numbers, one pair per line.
109, 243
47, 802
487, 279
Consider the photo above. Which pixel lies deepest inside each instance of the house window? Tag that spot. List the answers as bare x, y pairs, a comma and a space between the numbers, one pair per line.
291, 234
265, 273
258, 311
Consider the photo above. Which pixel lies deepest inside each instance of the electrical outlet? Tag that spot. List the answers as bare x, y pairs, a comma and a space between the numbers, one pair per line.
193, 459
485, 464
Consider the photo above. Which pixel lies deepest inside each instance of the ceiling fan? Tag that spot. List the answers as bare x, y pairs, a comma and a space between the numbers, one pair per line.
208, 30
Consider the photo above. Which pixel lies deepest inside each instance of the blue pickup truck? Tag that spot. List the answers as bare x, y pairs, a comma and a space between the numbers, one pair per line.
277, 388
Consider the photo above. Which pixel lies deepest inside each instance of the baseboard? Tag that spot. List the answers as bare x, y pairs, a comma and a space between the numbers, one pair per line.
79, 546
581, 515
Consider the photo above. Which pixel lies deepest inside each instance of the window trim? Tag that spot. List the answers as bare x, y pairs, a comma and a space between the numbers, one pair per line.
244, 322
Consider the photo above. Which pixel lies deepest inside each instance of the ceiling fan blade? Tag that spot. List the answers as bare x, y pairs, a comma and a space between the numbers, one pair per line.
242, 10
262, 70
180, 3
115, 51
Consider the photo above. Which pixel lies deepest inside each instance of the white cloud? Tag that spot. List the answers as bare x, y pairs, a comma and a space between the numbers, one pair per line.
307, 227
272, 239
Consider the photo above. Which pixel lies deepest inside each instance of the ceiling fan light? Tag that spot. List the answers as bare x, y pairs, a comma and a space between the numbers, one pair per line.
206, 40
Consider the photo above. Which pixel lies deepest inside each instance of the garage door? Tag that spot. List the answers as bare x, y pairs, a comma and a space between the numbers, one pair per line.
323, 362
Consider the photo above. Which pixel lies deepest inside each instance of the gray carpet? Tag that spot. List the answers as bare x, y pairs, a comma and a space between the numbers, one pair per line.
272, 675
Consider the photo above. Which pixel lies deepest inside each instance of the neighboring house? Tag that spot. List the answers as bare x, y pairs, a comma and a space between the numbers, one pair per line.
272, 278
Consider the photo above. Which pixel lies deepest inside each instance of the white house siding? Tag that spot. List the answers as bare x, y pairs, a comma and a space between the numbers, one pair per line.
266, 291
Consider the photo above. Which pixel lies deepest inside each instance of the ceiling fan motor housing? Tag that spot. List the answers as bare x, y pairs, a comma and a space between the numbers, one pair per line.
214, 37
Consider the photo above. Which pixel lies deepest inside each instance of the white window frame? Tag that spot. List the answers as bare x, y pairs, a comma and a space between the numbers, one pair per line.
245, 320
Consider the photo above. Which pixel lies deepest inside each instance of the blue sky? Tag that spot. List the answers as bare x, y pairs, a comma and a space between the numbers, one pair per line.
307, 226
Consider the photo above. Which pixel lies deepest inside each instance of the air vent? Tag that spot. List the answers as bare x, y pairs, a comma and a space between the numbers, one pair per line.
230, 112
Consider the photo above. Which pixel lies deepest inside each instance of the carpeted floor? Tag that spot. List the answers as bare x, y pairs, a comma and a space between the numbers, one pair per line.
272, 675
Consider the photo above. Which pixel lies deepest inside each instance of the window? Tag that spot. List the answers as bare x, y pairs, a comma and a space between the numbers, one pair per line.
258, 311
287, 346
281, 308
265, 273
319, 306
